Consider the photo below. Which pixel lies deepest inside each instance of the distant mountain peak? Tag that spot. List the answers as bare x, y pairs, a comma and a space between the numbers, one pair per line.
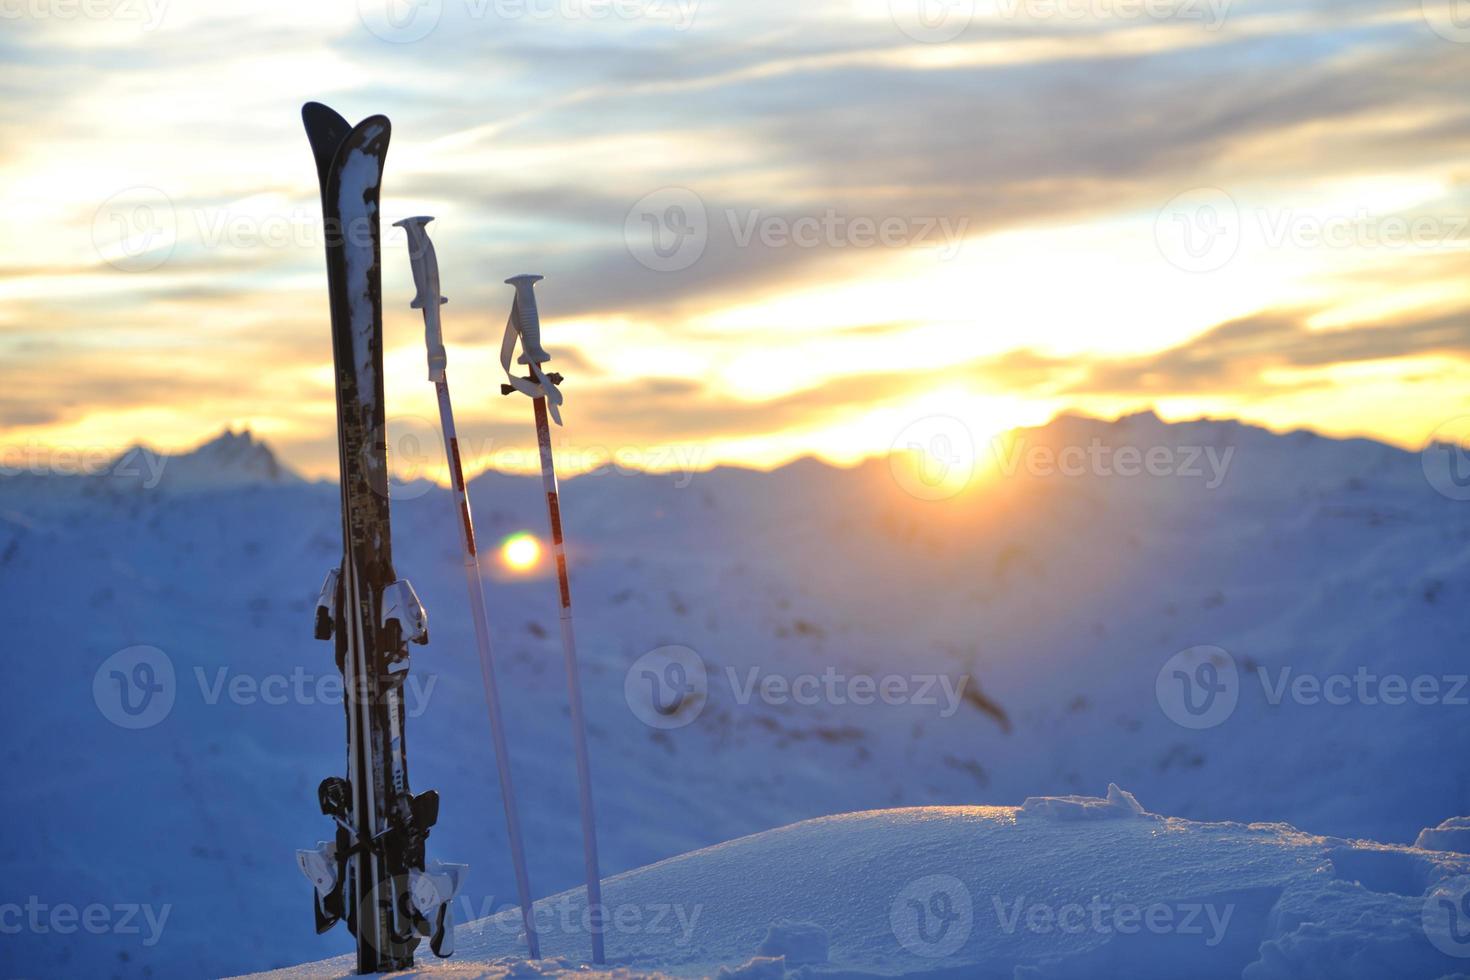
230, 443
232, 458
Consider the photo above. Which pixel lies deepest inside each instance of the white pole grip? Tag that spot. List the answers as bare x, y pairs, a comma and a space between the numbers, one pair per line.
425, 264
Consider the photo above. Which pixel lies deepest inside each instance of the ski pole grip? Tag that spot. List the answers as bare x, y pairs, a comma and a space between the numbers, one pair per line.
528, 319
425, 264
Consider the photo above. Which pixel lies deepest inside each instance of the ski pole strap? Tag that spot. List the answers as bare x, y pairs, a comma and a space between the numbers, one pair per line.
524, 325
507, 389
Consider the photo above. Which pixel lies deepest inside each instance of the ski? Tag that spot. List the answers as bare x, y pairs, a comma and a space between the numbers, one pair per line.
374, 874
428, 298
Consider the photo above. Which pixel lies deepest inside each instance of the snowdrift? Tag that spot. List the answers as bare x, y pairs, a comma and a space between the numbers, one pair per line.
1069, 887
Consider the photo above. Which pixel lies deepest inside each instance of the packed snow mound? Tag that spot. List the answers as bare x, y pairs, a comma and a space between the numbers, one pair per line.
1119, 804
1452, 835
1005, 892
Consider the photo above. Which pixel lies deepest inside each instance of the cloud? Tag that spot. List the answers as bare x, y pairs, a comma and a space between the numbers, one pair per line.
534, 138
1234, 358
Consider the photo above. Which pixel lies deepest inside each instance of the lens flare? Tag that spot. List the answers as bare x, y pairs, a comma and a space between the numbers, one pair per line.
520, 552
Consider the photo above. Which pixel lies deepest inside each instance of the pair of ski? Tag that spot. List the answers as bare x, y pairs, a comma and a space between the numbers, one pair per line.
375, 874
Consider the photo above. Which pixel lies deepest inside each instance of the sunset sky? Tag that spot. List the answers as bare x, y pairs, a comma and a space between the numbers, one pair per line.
768, 229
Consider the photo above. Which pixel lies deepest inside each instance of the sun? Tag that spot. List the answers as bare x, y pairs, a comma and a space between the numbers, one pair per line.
520, 552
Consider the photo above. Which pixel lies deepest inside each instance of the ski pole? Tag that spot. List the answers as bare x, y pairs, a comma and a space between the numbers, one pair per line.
426, 281
525, 324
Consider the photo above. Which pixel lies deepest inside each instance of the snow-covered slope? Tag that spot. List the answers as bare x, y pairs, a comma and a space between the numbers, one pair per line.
1027, 623
1057, 888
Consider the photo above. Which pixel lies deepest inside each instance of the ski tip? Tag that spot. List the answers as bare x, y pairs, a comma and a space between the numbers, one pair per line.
417, 221
376, 122
314, 113
371, 134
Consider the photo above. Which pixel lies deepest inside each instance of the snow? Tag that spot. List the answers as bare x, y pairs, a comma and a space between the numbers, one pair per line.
1049, 605
1025, 892
1119, 804
1452, 835
796, 943
230, 461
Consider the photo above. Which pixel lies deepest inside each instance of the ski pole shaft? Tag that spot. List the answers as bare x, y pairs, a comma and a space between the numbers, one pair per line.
475, 586
425, 265
574, 683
